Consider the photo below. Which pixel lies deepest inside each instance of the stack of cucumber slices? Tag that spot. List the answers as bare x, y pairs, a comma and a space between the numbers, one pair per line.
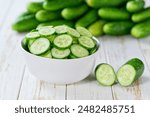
60, 42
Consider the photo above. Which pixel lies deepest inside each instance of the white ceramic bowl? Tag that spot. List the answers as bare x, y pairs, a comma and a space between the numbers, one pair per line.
56, 71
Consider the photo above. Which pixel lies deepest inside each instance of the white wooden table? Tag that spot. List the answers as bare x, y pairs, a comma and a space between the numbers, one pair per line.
17, 83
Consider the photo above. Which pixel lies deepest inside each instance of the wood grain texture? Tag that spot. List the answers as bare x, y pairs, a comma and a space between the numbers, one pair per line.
16, 82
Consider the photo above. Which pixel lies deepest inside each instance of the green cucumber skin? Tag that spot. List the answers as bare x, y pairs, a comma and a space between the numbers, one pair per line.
141, 16
24, 14
74, 12
34, 7
87, 19
113, 14
44, 15
57, 23
138, 66
141, 30
111, 67
105, 3
135, 6
118, 28
97, 28
25, 23
53, 5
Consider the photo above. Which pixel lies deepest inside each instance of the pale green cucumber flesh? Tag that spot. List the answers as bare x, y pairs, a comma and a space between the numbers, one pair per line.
46, 31
86, 42
73, 32
79, 51
61, 29
60, 54
63, 41
105, 74
126, 75
39, 46
83, 31
33, 35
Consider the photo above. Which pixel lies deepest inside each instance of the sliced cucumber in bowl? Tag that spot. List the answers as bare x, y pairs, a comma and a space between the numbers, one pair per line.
39, 46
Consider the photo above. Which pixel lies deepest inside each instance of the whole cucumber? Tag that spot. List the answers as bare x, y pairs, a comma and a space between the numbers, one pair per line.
97, 28
113, 14
34, 7
141, 16
57, 22
74, 12
87, 19
25, 23
105, 3
54, 5
44, 15
118, 28
141, 30
135, 6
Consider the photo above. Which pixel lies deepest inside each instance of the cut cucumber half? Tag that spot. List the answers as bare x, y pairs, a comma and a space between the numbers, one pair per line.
63, 41
130, 72
40, 46
86, 42
73, 32
61, 29
105, 74
47, 54
60, 54
79, 51
46, 31
84, 32
126, 75
33, 35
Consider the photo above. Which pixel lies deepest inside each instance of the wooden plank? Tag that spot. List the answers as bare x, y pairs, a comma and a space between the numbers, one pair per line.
35, 89
118, 52
89, 88
12, 67
5, 7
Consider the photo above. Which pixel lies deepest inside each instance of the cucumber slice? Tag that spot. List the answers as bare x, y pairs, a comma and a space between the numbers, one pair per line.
46, 31
33, 35
93, 50
105, 74
40, 46
73, 32
51, 38
130, 72
25, 43
47, 54
71, 56
86, 42
84, 32
60, 54
79, 51
63, 41
61, 29
40, 27
30, 41
75, 40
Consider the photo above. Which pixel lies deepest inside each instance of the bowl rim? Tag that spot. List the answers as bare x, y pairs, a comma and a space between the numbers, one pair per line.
97, 44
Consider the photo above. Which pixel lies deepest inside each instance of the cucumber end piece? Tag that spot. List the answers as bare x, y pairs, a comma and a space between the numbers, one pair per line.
126, 75
105, 74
